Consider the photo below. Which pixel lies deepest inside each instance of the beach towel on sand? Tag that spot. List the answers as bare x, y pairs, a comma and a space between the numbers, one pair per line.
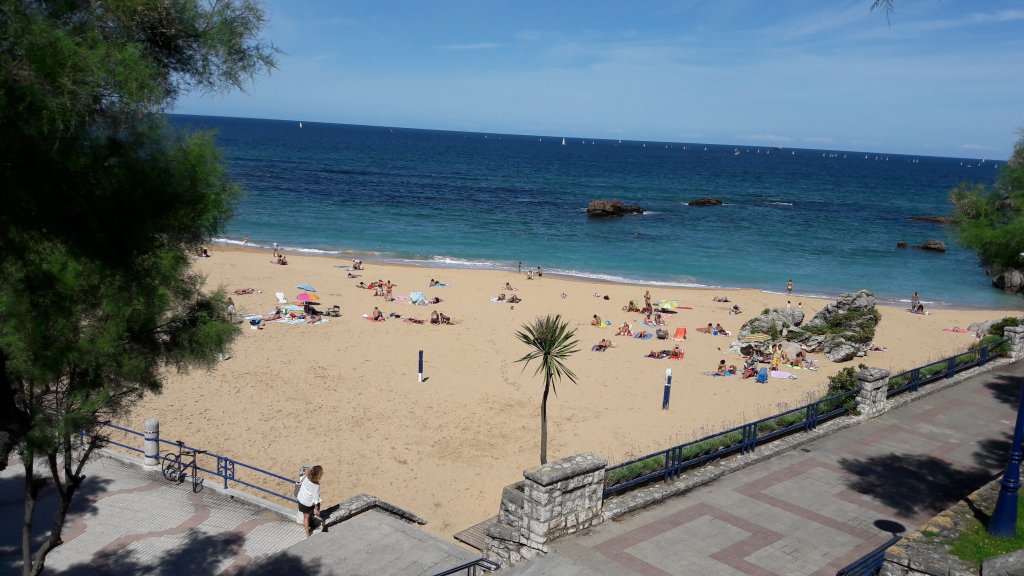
680, 334
647, 337
957, 330
782, 374
418, 298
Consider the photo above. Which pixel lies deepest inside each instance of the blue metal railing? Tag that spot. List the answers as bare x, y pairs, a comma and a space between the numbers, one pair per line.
217, 466
871, 563
742, 439
911, 380
669, 464
470, 568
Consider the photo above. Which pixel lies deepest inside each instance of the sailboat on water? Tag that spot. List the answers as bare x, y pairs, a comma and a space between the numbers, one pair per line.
563, 141
300, 124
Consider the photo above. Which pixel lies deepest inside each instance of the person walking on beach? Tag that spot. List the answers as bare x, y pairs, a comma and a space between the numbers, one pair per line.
309, 497
789, 287
914, 301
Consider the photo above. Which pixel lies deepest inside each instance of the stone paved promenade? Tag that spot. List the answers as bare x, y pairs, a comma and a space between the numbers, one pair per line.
131, 521
813, 510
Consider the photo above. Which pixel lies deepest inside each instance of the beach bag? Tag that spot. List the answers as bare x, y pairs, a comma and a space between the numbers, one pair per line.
662, 334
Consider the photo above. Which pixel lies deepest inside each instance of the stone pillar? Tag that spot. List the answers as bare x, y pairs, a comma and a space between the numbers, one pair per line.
874, 384
553, 500
151, 442
1015, 334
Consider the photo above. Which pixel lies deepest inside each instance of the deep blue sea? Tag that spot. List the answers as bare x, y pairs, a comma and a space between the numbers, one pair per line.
827, 219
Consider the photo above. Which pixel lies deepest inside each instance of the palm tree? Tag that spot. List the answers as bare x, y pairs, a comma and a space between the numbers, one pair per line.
552, 343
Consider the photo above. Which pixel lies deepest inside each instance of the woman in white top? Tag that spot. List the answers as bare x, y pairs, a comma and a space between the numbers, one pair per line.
309, 497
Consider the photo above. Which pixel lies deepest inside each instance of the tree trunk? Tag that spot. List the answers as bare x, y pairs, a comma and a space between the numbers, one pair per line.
544, 423
26, 524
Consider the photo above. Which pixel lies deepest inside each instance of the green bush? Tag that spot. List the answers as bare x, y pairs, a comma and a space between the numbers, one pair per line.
992, 339
996, 329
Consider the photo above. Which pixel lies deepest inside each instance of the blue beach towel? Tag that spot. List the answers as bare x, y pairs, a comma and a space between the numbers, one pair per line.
648, 337
418, 298
305, 287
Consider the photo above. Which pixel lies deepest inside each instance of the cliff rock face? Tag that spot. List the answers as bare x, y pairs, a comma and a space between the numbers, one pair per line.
604, 208
1010, 281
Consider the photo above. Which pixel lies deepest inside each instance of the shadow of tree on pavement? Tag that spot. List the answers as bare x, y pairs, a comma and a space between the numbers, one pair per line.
1006, 389
911, 483
992, 453
201, 553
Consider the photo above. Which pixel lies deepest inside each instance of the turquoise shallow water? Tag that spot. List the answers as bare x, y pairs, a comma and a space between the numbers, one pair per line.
827, 219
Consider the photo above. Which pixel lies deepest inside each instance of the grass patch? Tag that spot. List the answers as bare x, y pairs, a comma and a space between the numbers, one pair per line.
975, 544
634, 470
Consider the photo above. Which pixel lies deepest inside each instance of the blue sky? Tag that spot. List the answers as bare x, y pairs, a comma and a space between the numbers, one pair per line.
942, 78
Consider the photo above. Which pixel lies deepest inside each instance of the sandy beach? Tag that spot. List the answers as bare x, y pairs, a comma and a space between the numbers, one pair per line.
345, 394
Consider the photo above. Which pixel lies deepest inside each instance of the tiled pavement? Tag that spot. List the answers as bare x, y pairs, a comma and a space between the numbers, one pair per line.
813, 510
127, 520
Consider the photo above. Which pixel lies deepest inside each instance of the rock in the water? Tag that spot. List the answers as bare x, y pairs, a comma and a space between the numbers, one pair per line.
936, 219
603, 208
934, 245
704, 202
1010, 281
901, 244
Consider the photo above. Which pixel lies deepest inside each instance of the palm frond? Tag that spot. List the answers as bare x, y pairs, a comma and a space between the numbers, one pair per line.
552, 343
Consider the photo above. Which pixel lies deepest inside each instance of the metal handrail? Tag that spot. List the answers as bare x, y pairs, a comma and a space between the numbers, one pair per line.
470, 567
945, 368
750, 434
225, 466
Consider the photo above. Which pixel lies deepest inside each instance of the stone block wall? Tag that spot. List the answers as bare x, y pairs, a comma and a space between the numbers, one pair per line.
874, 385
553, 500
1015, 334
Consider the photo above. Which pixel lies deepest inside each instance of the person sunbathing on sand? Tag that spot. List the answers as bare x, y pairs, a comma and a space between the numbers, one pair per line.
624, 330
596, 321
677, 352
508, 286
502, 297
721, 371
513, 299
655, 354
719, 330
444, 319
731, 370
241, 291
376, 315
643, 334
434, 318
631, 307
721, 299
361, 285
602, 345
659, 319
735, 309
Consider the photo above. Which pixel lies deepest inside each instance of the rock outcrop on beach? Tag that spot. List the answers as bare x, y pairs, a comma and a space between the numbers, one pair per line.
933, 245
604, 208
846, 327
936, 219
704, 202
842, 330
